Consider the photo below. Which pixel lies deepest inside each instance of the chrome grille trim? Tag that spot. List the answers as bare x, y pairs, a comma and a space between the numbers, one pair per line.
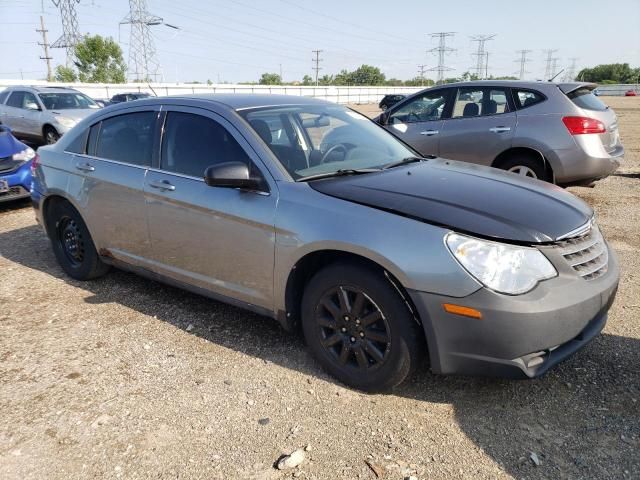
586, 254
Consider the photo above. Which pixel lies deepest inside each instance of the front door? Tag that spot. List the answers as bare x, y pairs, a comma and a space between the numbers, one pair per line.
419, 121
219, 239
481, 126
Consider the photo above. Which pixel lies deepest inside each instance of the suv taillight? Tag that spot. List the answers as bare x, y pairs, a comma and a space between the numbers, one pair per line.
583, 125
34, 163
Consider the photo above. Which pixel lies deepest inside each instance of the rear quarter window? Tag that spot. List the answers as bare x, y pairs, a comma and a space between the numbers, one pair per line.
527, 98
79, 144
584, 98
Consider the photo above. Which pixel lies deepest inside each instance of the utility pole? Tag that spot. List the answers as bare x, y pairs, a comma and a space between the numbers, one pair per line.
480, 54
70, 33
523, 62
570, 76
317, 61
281, 79
143, 62
549, 61
45, 45
442, 50
421, 70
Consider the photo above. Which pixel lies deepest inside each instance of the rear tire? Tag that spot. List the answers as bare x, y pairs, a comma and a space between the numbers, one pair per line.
527, 166
359, 328
51, 135
72, 243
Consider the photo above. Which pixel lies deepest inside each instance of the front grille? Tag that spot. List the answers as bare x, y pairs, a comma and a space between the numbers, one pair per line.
587, 254
14, 192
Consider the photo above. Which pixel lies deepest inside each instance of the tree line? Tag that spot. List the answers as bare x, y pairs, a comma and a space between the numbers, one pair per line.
99, 60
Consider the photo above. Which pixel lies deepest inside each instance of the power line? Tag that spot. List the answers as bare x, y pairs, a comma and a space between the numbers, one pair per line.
523, 62
442, 51
317, 61
45, 46
481, 61
549, 62
421, 70
70, 32
143, 62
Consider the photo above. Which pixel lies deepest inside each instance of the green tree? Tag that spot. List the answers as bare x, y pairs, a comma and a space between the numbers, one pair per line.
270, 79
65, 74
326, 80
99, 60
307, 80
419, 82
610, 73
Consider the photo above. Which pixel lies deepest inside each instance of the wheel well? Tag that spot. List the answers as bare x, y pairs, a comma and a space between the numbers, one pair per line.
48, 203
525, 151
312, 263
45, 126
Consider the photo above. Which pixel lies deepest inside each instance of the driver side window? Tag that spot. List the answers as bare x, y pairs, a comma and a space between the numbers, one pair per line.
424, 108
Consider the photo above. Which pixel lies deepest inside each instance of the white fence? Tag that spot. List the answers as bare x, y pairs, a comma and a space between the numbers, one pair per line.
332, 94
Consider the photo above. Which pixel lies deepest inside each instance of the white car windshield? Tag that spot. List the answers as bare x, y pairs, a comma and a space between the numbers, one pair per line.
66, 101
313, 140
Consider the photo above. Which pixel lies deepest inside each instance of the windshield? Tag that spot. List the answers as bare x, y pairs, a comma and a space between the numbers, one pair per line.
66, 101
311, 140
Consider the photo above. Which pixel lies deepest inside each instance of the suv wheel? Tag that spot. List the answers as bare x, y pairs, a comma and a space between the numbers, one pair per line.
51, 135
359, 328
72, 243
526, 166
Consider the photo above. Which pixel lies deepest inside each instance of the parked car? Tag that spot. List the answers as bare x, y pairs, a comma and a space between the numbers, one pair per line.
102, 102
560, 133
630, 93
128, 97
390, 100
43, 114
15, 167
308, 212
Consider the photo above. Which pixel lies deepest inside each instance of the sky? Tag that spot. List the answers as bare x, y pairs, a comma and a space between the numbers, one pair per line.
238, 40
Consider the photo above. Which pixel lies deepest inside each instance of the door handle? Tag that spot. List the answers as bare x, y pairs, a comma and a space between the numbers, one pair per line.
500, 129
429, 132
162, 185
85, 167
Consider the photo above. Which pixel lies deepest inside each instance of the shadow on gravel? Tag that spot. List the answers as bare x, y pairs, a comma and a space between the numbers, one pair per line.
581, 420
14, 205
627, 175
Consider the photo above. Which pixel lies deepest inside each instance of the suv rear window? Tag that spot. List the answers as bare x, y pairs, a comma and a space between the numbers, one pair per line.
584, 98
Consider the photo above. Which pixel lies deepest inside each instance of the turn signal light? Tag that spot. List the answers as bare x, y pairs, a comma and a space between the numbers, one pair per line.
583, 125
464, 311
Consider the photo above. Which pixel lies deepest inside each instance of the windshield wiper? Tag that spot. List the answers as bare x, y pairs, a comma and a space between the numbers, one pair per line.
406, 160
339, 173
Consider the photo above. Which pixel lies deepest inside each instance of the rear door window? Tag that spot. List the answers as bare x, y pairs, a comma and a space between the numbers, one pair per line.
191, 143
584, 98
527, 98
3, 96
128, 138
16, 99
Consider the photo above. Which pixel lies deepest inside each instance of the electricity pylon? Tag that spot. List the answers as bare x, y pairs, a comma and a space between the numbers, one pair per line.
70, 34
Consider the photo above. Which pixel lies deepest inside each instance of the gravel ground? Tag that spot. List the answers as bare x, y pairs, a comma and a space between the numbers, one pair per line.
126, 378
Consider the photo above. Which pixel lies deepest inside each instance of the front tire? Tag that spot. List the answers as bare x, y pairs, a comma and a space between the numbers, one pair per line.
359, 328
72, 243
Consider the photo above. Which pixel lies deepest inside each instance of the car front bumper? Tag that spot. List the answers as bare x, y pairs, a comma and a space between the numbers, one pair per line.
518, 336
19, 182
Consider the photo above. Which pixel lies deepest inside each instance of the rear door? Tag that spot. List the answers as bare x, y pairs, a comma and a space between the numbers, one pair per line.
481, 126
419, 120
13, 113
218, 239
109, 183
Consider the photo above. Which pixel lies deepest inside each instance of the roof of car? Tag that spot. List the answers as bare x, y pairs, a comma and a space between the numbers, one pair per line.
568, 86
45, 89
241, 101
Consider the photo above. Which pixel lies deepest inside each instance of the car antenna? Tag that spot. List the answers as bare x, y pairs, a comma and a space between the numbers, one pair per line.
154, 92
554, 77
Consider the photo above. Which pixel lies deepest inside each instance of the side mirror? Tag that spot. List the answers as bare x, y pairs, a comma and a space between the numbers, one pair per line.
32, 106
231, 175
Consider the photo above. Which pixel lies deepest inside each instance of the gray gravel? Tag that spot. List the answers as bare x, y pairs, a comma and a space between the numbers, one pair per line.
126, 378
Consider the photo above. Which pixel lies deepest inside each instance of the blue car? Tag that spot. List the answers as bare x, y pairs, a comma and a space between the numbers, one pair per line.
15, 166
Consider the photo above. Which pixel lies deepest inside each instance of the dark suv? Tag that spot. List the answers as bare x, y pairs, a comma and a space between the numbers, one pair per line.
390, 100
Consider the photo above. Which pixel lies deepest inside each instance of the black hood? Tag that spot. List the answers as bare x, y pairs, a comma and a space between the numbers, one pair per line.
467, 198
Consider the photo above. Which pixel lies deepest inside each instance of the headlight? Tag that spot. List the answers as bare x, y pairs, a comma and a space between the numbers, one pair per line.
501, 267
66, 121
25, 155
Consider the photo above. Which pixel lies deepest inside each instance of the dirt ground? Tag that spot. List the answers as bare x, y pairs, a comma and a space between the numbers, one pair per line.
126, 378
